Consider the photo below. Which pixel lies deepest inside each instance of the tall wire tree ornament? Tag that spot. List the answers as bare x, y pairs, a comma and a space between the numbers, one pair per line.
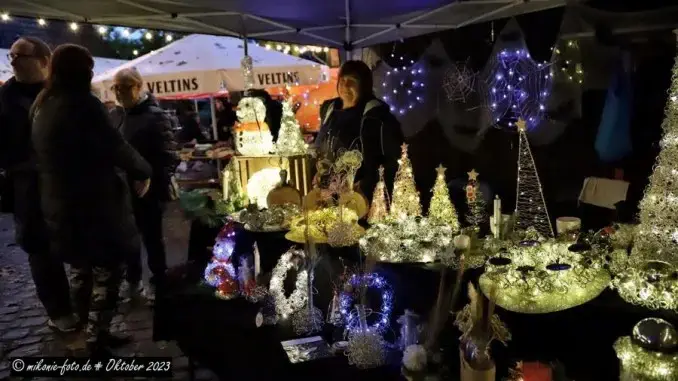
530, 205
517, 87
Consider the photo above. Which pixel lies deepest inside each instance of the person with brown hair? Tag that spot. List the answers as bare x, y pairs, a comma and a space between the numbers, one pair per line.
29, 58
149, 130
357, 120
85, 199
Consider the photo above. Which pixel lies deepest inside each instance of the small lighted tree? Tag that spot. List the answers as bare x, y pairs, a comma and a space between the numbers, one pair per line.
477, 213
290, 140
405, 195
441, 210
379, 208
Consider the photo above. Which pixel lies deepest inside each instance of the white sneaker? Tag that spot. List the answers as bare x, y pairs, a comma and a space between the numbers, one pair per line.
148, 292
67, 323
127, 292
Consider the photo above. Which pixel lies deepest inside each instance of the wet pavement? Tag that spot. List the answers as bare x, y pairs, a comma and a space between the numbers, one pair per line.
23, 323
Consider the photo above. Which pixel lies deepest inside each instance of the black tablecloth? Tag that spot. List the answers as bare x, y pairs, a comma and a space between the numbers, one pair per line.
581, 338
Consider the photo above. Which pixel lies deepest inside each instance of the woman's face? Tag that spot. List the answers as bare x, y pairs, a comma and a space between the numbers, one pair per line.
348, 89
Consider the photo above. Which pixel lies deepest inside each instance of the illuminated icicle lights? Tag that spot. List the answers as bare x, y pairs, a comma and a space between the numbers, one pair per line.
403, 86
518, 88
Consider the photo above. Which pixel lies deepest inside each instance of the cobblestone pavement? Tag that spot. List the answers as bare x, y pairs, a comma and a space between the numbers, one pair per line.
23, 323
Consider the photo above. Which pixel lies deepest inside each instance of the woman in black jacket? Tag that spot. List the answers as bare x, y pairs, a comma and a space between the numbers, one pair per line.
357, 120
85, 200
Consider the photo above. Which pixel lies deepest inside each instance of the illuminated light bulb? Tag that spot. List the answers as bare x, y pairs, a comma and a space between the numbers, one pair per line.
102, 30
42, 22
326, 49
74, 26
4, 16
278, 47
268, 46
169, 38
296, 48
135, 52
149, 36
125, 33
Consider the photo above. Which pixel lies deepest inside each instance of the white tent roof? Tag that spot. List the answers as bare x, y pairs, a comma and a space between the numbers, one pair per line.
201, 65
335, 23
100, 65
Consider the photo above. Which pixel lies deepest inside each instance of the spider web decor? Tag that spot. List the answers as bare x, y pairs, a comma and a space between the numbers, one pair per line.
403, 87
459, 82
518, 88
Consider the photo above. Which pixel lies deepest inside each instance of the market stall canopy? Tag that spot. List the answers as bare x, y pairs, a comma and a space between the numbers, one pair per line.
335, 23
199, 66
100, 65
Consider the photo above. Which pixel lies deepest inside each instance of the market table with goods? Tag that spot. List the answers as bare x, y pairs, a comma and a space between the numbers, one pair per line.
313, 282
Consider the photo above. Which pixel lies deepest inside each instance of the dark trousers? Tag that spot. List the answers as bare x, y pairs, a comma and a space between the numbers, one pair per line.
95, 294
51, 284
148, 214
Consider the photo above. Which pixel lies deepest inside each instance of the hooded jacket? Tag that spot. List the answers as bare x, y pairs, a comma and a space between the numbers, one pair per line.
85, 200
368, 127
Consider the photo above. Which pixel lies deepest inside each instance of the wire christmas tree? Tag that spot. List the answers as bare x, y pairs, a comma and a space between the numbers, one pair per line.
530, 206
657, 237
477, 211
441, 210
379, 208
290, 140
405, 195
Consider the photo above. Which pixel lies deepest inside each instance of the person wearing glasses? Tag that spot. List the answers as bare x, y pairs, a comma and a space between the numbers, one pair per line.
29, 58
149, 130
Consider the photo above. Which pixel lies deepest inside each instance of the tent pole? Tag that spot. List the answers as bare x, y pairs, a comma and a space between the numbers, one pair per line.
213, 111
347, 34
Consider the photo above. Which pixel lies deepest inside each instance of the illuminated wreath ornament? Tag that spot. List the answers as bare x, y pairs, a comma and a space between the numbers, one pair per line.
347, 299
285, 306
542, 278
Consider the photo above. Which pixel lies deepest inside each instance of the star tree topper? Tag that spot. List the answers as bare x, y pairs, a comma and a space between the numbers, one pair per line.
522, 126
473, 175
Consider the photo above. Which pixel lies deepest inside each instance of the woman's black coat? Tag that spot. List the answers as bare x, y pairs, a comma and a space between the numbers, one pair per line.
84, 196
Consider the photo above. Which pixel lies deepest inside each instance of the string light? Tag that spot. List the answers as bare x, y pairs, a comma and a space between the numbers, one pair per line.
149, 36
354, 285
135, 52
42, 22
567, 58
518, 88
125, 33
169, 38
74, 26
403, 86
102, 30
4, 16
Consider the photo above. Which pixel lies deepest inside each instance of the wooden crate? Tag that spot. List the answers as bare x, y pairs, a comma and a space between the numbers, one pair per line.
299, 172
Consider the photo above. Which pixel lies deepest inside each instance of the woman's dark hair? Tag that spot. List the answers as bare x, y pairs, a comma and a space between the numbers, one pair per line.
70, 71
362, 73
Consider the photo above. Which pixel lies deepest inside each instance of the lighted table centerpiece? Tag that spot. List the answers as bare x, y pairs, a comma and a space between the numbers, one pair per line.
399, 232
536, 278
332, 210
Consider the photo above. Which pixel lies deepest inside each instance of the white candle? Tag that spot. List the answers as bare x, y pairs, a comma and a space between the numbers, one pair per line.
224, 182
257, 260
497, 217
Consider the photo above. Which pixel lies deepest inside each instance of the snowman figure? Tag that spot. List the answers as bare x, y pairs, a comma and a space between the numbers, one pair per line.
252, 135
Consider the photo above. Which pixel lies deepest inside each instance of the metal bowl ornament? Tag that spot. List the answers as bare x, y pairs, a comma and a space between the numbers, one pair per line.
656, 335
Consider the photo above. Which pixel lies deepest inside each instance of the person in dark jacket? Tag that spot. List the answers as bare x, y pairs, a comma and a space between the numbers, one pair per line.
357, 120
149, 130
226, 118
29, 58
85, 198
190, 131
